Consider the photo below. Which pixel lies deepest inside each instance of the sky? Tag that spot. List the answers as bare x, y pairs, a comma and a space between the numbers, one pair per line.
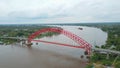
58, 11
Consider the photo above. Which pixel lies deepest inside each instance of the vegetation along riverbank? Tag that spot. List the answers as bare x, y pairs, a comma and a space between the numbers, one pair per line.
21, 31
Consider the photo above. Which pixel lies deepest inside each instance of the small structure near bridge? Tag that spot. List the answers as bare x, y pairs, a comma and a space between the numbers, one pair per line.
1, 43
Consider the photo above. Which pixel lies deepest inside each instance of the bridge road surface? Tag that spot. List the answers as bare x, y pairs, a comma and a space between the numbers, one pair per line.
96, 49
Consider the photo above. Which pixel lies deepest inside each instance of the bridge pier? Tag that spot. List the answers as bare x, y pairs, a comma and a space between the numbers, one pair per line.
29, 45
26, 43
23, 42
107, 57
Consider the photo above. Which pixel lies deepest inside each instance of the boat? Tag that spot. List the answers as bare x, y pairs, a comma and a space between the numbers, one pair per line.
80, 28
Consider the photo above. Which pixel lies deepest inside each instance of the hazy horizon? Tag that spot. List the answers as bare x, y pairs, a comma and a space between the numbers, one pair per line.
61, 23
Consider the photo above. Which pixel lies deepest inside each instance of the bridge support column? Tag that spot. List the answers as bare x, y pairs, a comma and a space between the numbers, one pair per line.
29, 45
107, 57
23, 42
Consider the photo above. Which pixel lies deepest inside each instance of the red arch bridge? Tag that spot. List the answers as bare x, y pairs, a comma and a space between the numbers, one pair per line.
82, 43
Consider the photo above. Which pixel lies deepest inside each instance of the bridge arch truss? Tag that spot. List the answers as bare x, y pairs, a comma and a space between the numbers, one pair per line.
82, 43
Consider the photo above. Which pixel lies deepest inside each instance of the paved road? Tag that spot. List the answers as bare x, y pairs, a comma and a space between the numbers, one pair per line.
106, 50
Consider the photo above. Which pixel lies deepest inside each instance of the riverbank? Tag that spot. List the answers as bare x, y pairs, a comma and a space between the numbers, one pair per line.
113, 43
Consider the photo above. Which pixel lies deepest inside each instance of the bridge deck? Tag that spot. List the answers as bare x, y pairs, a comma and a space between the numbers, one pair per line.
96, 49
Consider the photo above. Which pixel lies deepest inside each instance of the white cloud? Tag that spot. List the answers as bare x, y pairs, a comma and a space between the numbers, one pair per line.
62, 11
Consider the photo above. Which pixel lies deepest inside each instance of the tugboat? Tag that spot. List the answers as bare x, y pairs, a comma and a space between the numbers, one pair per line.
80, 28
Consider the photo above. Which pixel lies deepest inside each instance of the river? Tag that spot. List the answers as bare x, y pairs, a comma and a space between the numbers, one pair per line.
43, 55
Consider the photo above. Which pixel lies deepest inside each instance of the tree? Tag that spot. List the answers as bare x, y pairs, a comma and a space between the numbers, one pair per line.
117, 65
20, 34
